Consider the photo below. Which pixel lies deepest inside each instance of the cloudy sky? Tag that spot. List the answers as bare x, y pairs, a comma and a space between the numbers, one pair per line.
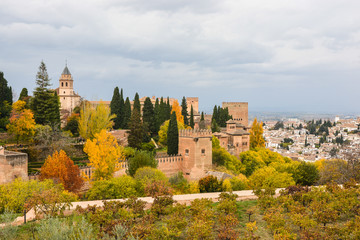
276, 55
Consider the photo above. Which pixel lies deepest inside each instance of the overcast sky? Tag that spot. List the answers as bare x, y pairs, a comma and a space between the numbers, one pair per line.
276, 55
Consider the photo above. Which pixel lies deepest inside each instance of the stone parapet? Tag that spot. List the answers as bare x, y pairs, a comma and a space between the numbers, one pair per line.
195, 133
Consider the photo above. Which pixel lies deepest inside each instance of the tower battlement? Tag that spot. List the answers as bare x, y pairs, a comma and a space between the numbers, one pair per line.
195, 133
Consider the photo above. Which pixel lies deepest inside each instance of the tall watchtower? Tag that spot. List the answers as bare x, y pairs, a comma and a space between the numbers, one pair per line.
196, 148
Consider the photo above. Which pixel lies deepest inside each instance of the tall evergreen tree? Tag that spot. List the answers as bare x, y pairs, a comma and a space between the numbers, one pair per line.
168, 108
45, 104
136, 130
149, 116
192, 123
115, 107
5, 102
137, 103
215, 114
202, 117
122, 108
127, 113
184, 111
173, 136
202, 124
157, 116
24, 94
162, 111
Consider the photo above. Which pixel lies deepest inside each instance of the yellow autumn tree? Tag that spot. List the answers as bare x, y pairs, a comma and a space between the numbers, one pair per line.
177, 109
104, 155
94, 119
256, 135
22, 123
164, 129
60, 168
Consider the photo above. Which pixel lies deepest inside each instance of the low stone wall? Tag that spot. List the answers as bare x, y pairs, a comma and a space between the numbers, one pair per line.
13, 165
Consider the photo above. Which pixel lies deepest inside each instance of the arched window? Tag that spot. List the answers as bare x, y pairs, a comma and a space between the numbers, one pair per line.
66, 84
62, 84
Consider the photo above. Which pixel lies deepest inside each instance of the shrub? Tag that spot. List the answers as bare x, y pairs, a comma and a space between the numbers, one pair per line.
239, 183
115, 188
179, 183
210, 184
139, 160
146, 175
14, 195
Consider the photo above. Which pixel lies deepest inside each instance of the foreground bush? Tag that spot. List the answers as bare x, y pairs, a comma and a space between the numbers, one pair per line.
115, 188
13, 196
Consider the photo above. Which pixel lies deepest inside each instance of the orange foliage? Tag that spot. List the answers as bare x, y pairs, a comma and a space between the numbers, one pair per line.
62, 169
177, 109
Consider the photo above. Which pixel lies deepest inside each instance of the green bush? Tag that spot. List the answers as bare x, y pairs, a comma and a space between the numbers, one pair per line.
139, 160
210, 184
14, 195
146, 175
115, 188
179, 183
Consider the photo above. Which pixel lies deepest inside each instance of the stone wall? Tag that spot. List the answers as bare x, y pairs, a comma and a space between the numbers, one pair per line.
13, 165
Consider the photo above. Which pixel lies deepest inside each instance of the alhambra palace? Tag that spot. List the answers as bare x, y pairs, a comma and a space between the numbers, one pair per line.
194, 159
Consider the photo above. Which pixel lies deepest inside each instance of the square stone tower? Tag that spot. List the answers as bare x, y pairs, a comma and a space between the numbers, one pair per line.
196, 148
239, 111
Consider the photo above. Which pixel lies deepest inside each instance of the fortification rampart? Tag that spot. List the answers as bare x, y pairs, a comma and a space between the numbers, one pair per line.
195, 133
13, 165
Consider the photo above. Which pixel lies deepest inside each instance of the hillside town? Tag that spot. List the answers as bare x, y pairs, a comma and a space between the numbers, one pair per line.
292, 138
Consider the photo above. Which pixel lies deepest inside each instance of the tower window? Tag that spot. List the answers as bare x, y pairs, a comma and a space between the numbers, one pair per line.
62, 84
66, 84
202, 152
64, 92
186, 152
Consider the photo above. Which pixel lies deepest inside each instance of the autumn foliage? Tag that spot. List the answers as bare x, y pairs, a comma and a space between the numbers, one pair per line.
177, 109
62, 169
104, 155
256, 135
22, 123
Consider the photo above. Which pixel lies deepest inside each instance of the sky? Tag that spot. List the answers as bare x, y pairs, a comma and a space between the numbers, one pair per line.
279, 55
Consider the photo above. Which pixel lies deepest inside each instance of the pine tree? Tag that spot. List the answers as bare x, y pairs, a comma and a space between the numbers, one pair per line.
192, 124
136, 103
127, 113
45, 104
24, 94
173, 136
136, 130
5, 101
184, 111
149, 116
115, 106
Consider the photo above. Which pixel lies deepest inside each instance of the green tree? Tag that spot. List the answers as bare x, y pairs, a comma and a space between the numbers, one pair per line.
184, 111
45, 103
157, 116
137, 105
252, 161
136, 130
5, 102
173, 136
148, 116
214, 126
256, 135
192, 123
127, 114
115, 106
306, 174
24, 94
139, 160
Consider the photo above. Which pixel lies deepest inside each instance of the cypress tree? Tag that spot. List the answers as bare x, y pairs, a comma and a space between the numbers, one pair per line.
45, 104
116, 108
168, 109
192, 124
5, 101
127, 113
136, 130
184, 111
137, 103
162, 112
122, 108
215, 114
149, 116
24, 94
173, 136
202, 121
202, 117
157, 116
